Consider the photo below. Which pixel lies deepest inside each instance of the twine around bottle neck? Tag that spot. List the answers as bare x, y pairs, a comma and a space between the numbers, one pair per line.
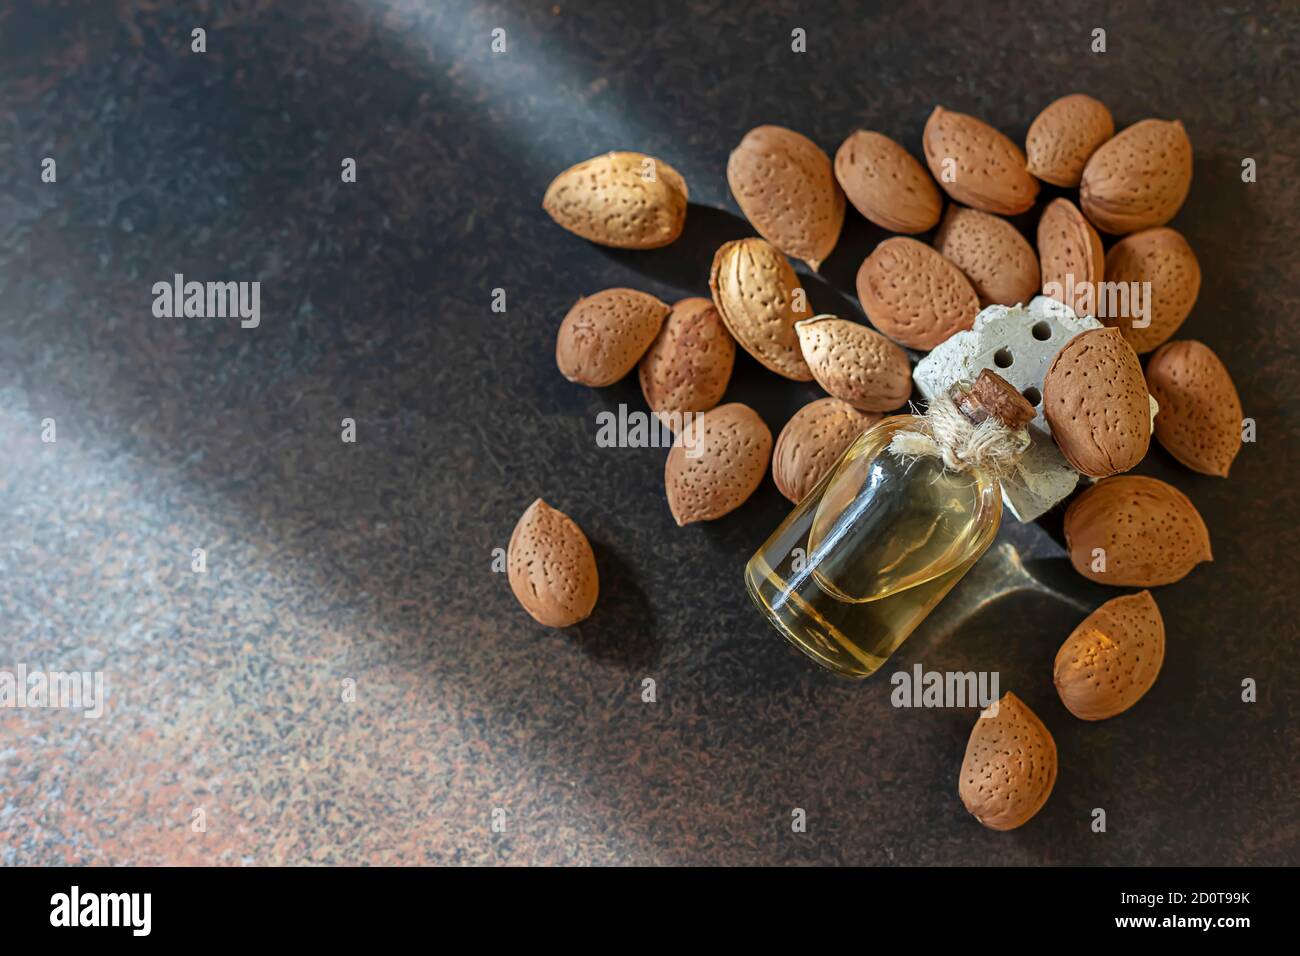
960, 443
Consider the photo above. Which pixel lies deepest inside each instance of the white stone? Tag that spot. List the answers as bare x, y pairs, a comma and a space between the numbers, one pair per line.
1018, 342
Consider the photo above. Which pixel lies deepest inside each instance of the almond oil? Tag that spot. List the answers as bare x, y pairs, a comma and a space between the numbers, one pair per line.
878, 543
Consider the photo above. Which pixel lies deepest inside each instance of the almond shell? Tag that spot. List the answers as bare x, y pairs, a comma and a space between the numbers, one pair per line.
551, 567
1010, 765
914, 295
812, 441
626, 200
732, 446
1064, 135
604, 335
785, 186
1135, 531
991, 253
1139, 178
1200, 414
1095, 401
1112, 658
759, 298
987, 170
887, 184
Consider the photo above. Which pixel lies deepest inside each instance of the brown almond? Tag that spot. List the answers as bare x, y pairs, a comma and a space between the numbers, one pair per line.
886, 183
604, 335
812, 441
760, 299
1139, 178
855, 364
1134, 531
1095, 401
1072, 258
914, 295
716, 463
991, 253
1064, 135
1112, 658
687, 368
1199, 422
623, 199
551, 567
1010, 765
977, 165
784, 184
1163, 258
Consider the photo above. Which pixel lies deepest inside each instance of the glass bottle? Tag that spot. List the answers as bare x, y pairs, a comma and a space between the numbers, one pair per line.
884, 536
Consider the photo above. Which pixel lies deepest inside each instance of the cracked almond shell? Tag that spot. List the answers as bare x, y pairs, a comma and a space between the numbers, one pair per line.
1010, 765
1112, 658
1095, 401
604, 335
732, 446
914, 295
1139, 178
551, 567
623, 199
1200, 414
976, 164
1134, 531
812, 441
784, 184
1163, 258
855, 364
760, 299
997, 260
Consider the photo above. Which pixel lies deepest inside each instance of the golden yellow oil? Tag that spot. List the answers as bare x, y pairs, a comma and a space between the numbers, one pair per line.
874, 547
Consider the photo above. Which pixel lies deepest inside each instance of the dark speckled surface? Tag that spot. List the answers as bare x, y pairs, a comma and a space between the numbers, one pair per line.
371, 562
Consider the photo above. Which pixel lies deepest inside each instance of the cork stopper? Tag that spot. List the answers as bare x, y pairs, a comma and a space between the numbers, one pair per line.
993, 396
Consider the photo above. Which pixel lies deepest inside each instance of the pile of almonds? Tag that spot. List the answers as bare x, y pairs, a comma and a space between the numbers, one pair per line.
1123, 530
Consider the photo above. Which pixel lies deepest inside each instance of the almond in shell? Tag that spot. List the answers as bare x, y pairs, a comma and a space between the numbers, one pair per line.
1139, 178
551, 567
999, 261
1134, 531
886, 183
604, 335
1162, 258
784, 184
914, 295
1064, 135
977, 165
716, 463
812, 441
760, 299
626, 200
1010, 765
1070, 252
1112, 658
1095, 401
855, 364
687, 368
1200, 414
